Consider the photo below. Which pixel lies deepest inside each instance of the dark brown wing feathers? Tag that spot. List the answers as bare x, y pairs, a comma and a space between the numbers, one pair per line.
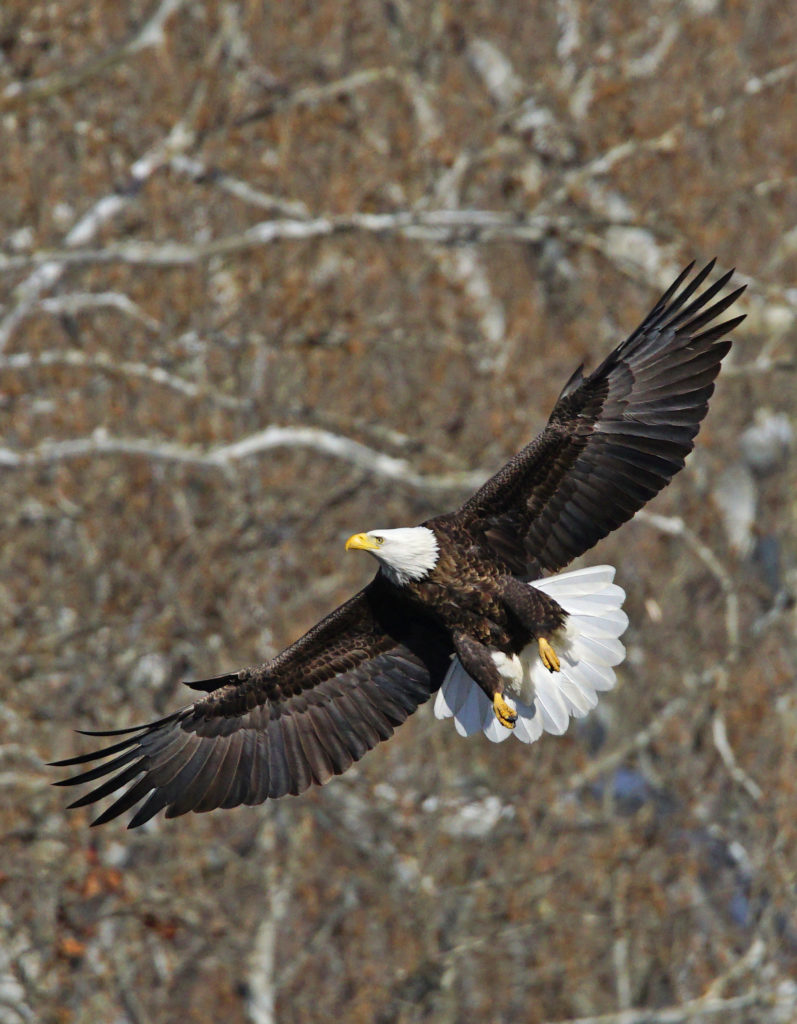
277, 729
614, 438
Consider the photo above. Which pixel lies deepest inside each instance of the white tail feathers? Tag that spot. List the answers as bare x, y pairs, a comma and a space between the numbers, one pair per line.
588, 648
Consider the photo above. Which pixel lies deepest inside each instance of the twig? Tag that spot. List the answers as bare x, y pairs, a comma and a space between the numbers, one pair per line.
78, 302
666, 142
705, 1006
675, 526
750, 961
744, 370
711, 1002
466, 268
154, 374
614, 757
720, 736
49, 268
199, 171
17, 94
312, 95
622, 971
770, 78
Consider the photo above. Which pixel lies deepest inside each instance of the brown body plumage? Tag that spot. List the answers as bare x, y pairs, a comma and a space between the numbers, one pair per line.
471, 590
613, 440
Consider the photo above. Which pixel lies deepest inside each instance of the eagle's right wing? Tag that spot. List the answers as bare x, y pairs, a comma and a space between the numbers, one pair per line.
277, 728
614, 438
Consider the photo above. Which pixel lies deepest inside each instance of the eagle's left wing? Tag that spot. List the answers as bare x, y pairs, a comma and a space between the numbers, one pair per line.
614, 438
279, 727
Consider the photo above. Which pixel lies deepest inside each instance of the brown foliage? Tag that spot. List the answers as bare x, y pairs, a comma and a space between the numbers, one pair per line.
187, 259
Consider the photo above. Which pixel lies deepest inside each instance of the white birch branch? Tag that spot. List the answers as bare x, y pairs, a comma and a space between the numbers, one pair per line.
313, 95
151, 33
695, 1009
49, 269
153, 374
675, 526
79, 302
442, 226
637, 742
223, 456
719, 734
199, 171
263, 978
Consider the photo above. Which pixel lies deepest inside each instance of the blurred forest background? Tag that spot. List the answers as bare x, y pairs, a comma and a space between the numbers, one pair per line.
272, 273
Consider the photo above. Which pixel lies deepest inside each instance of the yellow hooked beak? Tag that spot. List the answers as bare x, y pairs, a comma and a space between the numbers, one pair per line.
362, 542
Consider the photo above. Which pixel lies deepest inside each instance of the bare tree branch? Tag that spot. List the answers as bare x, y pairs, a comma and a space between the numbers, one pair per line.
151, 33
675, 526
50, 268
719, 734
153, 374
635, 743
695, 1009
79, 302
312, 95
746, 370
360, 455
263, 980
198, 170
446, 226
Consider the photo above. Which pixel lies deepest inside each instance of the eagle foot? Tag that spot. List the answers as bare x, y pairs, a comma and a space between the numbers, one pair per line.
503, 712
548, 655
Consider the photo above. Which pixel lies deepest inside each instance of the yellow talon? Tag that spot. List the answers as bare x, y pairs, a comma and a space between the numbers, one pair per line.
548, 655
503, 712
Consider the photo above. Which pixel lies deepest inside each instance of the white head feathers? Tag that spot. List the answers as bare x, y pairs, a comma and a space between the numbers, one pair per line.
405, 554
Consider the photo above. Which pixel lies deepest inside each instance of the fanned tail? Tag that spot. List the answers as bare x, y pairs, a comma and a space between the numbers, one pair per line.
588, 647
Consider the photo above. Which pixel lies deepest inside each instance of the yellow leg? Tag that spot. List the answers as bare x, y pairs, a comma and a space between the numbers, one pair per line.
548, 655
503, 712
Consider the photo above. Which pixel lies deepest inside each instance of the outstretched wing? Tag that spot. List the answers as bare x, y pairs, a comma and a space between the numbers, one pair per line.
300, 719
614, 438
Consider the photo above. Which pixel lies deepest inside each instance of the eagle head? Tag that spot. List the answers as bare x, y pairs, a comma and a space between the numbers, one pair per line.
406, 554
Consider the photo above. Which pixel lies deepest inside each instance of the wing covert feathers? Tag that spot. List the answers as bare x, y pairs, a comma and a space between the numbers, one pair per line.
280, 728
615, 438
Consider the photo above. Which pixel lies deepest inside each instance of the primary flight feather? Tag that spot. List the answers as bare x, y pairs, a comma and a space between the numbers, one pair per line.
457, 605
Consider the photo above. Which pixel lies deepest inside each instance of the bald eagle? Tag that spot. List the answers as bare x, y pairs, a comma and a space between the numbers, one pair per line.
460, 605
